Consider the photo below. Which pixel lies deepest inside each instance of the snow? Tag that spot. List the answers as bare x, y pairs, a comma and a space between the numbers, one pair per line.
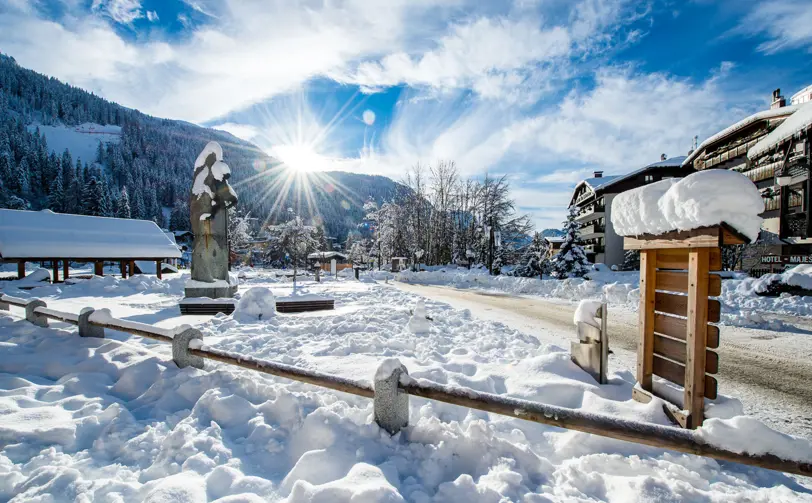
763, 115
149, 267
205, 216
115, 420
701, 199
199, 186
386, 368
27, 234
256, 304
82, 141
218, 283
219, 170
211, 148
418, 324
327, 255
587, 312
746, 434
794, 124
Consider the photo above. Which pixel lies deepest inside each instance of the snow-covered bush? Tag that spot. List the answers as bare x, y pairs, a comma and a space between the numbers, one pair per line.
255, 304
534, 262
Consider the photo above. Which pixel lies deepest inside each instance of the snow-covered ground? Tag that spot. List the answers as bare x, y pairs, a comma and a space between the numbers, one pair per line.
82, 141
741, 306
115, 420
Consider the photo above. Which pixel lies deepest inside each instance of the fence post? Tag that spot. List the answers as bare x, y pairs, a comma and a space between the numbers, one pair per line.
391, 405
180, 348
30, 315
85, 328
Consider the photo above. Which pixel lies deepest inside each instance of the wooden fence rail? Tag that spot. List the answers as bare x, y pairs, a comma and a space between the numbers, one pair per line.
665, 437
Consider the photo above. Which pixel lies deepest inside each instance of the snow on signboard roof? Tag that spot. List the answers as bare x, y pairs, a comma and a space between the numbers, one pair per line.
795, 123
44, 234
765, 114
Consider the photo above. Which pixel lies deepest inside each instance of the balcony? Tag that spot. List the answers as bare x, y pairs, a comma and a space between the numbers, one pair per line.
593, 248
794, 226
590, 212
591, 231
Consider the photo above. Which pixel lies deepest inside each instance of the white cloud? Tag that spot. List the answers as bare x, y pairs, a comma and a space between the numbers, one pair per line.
787, 24
120, 11
490, 55
152, 16
244, 131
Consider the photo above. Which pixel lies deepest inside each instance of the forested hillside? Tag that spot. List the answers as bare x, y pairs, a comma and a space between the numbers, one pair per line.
150, 167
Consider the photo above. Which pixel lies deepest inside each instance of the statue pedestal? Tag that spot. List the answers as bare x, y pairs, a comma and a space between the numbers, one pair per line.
217, 289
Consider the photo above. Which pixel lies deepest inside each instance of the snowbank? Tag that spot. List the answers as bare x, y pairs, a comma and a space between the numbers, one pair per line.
114, 420
587, 312
702, 199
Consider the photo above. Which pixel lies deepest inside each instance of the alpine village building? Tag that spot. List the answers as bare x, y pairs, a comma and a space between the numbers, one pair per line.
772, 148
593, 198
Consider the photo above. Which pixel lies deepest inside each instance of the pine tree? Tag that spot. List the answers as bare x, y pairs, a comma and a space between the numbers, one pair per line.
123, 204
631, 260
570, 261
534, 262
138, 210
56, 195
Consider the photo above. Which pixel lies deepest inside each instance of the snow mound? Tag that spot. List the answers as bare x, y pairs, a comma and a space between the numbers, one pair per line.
364, 483
256, 304
701, 199
587, 312
418, 324
746, 434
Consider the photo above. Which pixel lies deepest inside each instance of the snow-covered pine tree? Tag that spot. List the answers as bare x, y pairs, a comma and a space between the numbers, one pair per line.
570, 261
631, 260
498, 260
123, 204
56, 196
534, 262
137, 208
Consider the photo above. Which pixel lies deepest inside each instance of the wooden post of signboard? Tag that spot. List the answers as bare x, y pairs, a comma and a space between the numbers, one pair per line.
675, 338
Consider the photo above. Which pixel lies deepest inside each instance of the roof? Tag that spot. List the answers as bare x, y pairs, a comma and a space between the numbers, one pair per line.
327, 255
555, 239
45, 234
802, 91
795, 123
763, 115
607, 181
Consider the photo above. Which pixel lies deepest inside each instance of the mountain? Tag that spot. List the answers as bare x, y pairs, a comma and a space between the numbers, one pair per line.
71, 151
551, 233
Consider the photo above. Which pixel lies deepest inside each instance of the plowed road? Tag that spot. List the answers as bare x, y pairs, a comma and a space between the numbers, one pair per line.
770, 372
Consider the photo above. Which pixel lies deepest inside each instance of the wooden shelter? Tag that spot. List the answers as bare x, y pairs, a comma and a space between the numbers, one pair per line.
45, 236
676, 341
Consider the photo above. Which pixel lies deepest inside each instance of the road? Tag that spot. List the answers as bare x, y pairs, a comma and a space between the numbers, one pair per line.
768, 371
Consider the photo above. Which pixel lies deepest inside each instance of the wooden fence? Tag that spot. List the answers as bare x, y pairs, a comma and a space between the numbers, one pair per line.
392, 386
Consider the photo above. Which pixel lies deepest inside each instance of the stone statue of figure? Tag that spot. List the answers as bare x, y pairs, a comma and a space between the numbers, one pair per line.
211, 197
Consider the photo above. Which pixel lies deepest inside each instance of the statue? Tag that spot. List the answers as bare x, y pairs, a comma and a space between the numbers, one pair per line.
211, 197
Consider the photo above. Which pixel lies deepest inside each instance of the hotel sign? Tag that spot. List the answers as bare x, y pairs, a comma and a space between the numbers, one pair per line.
786, 259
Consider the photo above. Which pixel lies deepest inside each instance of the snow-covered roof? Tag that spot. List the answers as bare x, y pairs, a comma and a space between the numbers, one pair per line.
555, 239
604, 182
765, 114
45, 234
327, 255
803, 91
794, 124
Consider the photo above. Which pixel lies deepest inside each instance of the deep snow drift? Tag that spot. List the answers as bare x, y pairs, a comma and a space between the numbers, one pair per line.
114, 420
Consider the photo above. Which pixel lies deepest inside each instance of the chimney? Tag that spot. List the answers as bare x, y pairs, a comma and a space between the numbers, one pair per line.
778, 100
598, 174
663, 157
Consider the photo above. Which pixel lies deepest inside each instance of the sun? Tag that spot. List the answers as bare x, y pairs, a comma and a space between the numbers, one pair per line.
301, 158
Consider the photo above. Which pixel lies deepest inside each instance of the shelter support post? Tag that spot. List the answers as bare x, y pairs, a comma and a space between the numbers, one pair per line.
65, 269
55, 266
98, 268
123, 270
21, 269
158, 268
132, 268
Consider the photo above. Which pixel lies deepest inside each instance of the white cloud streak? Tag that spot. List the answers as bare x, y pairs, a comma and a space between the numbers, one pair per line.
787, 24
120, 11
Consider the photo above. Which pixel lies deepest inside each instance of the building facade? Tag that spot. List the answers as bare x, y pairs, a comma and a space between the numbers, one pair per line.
780, 171
593, 197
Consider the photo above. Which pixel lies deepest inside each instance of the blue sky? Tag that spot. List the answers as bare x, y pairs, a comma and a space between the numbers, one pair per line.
545, 91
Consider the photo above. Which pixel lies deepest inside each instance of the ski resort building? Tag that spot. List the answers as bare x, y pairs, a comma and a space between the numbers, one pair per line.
45, 236
771, 148
593, 198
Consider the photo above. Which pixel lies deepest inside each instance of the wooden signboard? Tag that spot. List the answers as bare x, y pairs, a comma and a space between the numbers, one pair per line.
675, 340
